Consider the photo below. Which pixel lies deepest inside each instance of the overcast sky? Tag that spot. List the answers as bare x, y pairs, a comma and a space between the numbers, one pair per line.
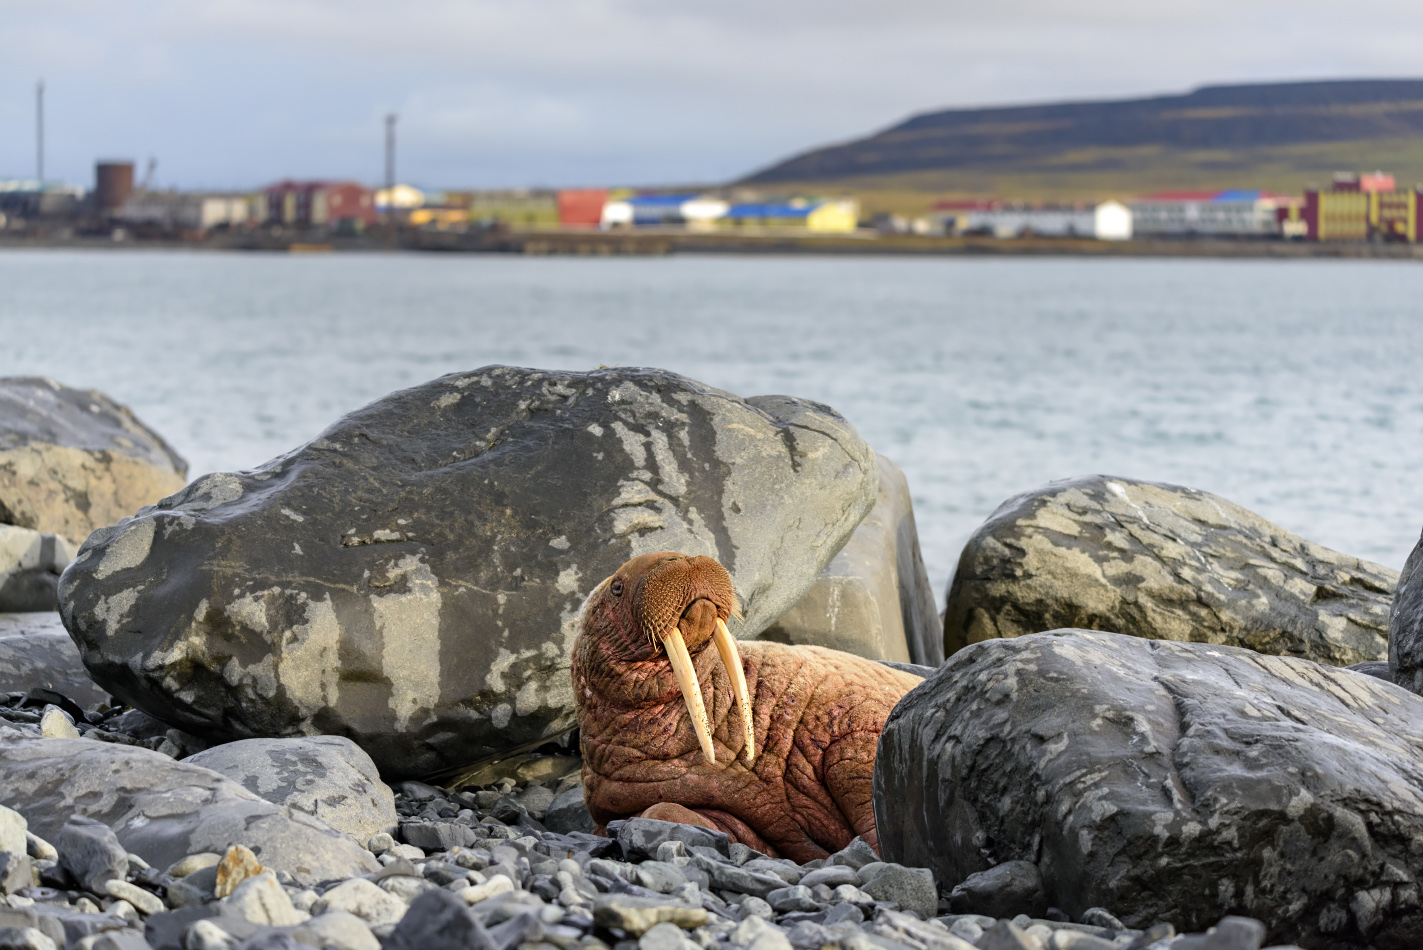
495, 93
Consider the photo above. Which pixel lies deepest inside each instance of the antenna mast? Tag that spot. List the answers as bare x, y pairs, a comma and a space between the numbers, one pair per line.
390, 152
39, 130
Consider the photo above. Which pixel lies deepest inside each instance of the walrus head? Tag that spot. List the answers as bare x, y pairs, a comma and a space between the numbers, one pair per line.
671, 605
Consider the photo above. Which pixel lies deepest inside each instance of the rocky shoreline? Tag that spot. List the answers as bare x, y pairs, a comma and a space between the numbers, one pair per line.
514, 864
324, 702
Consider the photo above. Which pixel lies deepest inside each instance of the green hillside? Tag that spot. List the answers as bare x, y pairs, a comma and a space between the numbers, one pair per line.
1279, 136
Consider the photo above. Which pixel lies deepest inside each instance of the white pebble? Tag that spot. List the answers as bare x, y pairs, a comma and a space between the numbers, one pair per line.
206, 935
135, 895
28, 938
261, 900
496, 885
54, 724
364, 900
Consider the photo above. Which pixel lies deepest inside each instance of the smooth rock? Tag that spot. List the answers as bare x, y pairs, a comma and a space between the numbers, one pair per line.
364, 900
637, 915
874, 598
1375, 668
727, 877
1101, 917
640, 837
770, 939
36, 651
478, 893
194, 889
785, 900
1405, 630
1164, 563
74, 460
536, 800
13, 831
569, 812
855, 855
1164, 780
236, 866
90, 851
832, 876
753, 906
54, 724
193, 862
206, 935
1005, 936
659, 876
1078, 940
910, 888
30, 565
113, 940
164, 810
337, 929
143, 901
24, 938
424, 559
16, 872
665, 937
438, 920
1009, 889
1232, 933
262, 901
327, 777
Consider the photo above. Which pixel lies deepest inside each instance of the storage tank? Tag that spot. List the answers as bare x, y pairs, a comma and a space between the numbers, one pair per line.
113, 183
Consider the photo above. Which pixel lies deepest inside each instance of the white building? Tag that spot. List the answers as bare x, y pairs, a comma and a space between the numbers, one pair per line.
174, 210
1108, 221
1209, 213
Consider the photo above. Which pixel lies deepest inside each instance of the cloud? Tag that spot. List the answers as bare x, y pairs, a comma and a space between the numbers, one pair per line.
232, 93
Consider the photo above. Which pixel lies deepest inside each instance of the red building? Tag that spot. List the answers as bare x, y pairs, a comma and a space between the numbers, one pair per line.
1362, 208
317, 204
581, 207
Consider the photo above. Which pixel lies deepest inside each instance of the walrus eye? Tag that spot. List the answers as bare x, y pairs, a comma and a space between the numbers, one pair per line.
617, 588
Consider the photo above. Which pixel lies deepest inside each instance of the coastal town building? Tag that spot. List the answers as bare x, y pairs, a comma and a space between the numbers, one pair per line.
1360, 208
185, 211
1238, 213
29, 199
1104, 221
710, 213
581, 207
304, 204
523, 208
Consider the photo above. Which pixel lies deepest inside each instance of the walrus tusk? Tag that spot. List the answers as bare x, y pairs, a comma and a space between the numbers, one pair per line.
691, 690
731, 659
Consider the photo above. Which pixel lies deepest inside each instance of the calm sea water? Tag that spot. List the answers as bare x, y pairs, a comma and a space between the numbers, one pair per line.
1294, 388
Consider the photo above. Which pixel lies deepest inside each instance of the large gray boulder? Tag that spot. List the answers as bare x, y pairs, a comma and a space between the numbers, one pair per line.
327, 777
30, 565
36, 651
1405, 630
412, 578
72, 460
1166, 563
163, 810
874, 599
1166, 781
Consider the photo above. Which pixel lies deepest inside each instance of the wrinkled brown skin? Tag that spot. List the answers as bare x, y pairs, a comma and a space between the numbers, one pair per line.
818, 715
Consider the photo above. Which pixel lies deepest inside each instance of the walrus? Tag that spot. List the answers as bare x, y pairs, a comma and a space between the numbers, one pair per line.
772, 744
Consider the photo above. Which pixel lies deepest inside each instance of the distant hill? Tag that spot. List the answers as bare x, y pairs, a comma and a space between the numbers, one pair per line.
1274, 135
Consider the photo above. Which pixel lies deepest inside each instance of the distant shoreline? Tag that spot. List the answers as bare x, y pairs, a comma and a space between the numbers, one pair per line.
659, 243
